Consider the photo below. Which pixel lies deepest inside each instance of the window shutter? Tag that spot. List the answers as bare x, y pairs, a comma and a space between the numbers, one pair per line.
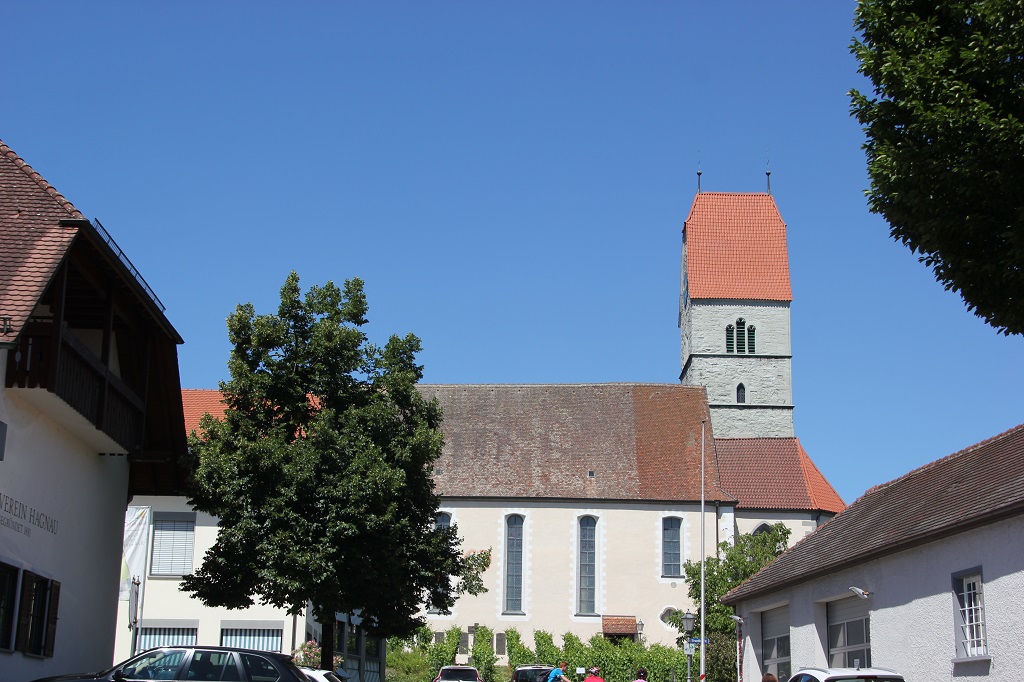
741, 335
51, 618
24, 611
750, 339
729, 339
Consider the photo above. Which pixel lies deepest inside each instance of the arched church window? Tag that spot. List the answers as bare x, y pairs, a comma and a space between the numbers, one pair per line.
741, 394
730, 339
750, 339
741, 335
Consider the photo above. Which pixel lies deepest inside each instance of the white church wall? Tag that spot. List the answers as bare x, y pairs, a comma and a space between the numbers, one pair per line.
709, 318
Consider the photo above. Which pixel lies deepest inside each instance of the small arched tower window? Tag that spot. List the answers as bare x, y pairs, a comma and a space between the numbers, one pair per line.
741, 394
750, 339
762, 529
730, 339
741, 335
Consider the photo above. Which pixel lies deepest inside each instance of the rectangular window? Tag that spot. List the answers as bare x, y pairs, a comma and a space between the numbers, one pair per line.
970, 609
260, 639
8, 596
37, 614
173, 541
849, 644
514, 564
150, 637
670, 547
775, 655
587, 597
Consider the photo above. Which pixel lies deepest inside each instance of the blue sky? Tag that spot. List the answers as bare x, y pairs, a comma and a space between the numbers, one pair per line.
510, 179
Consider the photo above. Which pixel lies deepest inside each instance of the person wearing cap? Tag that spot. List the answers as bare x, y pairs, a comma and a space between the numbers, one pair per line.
594, 675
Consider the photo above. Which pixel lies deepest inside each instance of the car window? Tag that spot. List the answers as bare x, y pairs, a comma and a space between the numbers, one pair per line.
259, 669
464, 674
212, 666
161, 664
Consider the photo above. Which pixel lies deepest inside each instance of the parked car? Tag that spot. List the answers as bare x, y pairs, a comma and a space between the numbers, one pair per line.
538, 672
846, 675
197, 663
458, 673
317, 675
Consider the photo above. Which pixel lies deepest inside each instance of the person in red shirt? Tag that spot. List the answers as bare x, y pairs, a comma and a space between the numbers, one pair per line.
594, 675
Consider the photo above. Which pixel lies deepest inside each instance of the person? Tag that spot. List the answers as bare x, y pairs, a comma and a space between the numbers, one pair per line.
641, 675
594, 675
558, 674
768, 677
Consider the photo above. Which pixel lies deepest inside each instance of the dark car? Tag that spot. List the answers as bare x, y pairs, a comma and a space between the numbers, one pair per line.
458, 673
532, 673
209, 663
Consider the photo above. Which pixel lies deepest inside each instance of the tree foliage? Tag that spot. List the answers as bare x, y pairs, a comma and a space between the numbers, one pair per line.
734, 564
320, 470
945, 141
482, 654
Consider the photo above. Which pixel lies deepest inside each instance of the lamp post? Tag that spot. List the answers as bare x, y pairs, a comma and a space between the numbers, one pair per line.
688, 629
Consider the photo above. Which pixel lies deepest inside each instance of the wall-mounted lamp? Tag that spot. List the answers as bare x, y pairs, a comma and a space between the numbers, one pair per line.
863, 594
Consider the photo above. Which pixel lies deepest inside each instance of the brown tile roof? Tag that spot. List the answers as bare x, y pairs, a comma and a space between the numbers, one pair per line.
774, 473
618, 625
32, 242
642, 441
736, 248
970, 488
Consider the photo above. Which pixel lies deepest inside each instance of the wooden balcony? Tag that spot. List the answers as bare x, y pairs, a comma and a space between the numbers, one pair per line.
64, 367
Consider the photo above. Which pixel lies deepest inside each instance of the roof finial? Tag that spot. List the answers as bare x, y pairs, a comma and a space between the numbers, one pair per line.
698, 181
768, 171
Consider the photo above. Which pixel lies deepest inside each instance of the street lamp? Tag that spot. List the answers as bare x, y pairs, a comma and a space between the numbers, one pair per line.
688, 619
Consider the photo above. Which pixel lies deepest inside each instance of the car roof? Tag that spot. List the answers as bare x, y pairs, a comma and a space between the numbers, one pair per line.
277, 654
850, 671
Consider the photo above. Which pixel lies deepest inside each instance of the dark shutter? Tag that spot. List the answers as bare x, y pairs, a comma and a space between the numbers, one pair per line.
24, 611
51, 618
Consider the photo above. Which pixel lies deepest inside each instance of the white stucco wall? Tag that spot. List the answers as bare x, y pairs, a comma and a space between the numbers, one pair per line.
51, 472
709, 318
912, 608
162, 602
629, 569
800, 524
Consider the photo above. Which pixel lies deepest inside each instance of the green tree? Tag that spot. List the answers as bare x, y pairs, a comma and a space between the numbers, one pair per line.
518, 653
945, 141
442, 653
483, 653
734, 564
320, 471
407, 658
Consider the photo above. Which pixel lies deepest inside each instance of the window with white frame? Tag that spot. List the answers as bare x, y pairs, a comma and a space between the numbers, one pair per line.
671, 552
775, 656
514, 564
173, 542
586, 602
970, 614
441, 520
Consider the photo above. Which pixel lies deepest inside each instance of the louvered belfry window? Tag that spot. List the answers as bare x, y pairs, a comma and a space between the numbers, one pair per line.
741, 336
730, 339
750, 339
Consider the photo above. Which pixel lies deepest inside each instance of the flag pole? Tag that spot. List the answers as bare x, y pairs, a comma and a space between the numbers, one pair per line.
703, 614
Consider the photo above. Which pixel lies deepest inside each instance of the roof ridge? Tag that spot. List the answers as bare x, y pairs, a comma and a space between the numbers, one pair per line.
934, 463
61, 200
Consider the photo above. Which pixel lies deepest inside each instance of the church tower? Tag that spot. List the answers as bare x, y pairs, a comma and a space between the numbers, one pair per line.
734, 313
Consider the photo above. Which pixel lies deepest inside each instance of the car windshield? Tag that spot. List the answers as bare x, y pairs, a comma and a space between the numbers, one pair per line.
458, 674
532, 674
160, 664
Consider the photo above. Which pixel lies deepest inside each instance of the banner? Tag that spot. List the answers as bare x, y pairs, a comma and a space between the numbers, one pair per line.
136, 545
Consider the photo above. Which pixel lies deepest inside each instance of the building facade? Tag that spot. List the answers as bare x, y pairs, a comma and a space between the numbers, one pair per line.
89, 415
922, 575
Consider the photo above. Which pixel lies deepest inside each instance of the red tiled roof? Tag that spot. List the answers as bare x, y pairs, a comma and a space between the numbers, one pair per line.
736, 248
642, 441
32, 242
970, 488
197, 402
773, 473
